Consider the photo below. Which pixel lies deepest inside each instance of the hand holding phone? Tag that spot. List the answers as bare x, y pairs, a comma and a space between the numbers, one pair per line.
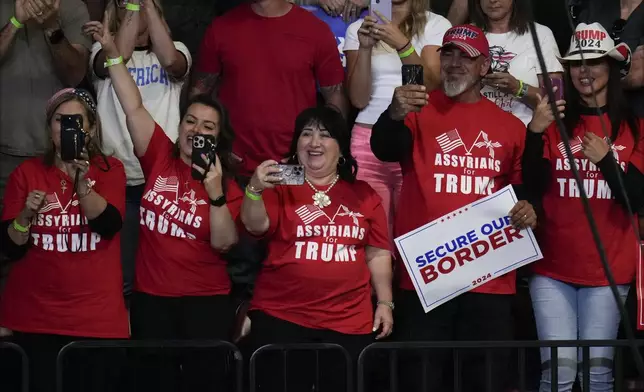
412, 74
383, 7
291, 174
202, 145
559, 91
72, 137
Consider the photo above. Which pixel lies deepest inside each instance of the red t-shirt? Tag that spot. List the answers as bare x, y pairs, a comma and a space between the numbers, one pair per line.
175, 257
461, 153
69, 282
268, 68
569, 253
316, 274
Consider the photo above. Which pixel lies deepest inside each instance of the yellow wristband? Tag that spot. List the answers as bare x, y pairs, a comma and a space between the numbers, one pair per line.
406, 53
252, 196
520, 93
16, 23
110, 62
133, 7
20, 228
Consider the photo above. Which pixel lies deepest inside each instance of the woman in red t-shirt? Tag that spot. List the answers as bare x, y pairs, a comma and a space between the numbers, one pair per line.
186, 221
60, 224
570, 293
327, 243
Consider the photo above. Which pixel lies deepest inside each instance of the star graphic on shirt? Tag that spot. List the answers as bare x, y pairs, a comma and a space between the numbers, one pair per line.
190, 198
351, 214
486, 143
614, 148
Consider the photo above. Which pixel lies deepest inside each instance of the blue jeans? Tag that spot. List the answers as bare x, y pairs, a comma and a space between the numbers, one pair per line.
568, 312
130, 235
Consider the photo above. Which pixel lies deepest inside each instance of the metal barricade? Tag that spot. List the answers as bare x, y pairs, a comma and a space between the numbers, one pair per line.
285, 348
24, 363
423, 347
150, 344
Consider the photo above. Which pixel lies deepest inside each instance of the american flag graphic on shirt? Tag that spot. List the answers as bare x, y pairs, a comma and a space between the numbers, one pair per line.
309, 213
166, 184
449, 141
575, 147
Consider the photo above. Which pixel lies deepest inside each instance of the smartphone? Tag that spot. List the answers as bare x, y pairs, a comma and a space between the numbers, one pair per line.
412, 74
202, 145
72, 137
291, 174
556, 82
382, 6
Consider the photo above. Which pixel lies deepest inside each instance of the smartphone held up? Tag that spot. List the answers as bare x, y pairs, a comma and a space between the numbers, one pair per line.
558, 92
203, 145
291, 174
412, 74
72, 137
383, 7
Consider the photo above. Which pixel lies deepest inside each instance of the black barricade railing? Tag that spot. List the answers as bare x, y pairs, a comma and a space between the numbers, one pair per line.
24, 363
393, 349
284, 349
238, 362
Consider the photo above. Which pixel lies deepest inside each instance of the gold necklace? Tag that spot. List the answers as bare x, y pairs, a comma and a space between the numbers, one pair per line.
320, 198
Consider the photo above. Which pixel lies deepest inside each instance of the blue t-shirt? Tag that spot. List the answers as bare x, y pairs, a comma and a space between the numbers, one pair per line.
337, 24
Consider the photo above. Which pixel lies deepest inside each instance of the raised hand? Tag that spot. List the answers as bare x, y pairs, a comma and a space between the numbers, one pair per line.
99, 32
407, 98
389, 33
366, 39
542, 116
213, 178
266, 176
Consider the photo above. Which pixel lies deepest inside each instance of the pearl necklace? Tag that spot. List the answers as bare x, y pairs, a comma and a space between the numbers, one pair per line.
320, 198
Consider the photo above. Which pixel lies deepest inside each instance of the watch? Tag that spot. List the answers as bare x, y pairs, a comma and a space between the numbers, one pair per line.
218, 202
388, 304
56, 36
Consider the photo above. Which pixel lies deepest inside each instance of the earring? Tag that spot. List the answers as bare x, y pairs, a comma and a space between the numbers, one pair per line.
342, 161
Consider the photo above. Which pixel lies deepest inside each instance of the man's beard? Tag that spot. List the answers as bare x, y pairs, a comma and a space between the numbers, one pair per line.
457, 87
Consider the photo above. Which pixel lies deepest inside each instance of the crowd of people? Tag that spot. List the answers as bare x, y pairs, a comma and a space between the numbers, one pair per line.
175, 181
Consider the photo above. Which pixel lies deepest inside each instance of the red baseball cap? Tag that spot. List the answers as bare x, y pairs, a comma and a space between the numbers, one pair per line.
468, 38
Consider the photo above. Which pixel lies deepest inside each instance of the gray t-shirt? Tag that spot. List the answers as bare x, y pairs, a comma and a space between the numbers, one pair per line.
28, 79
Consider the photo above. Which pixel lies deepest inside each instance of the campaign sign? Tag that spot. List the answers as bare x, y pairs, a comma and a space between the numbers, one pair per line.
466, 249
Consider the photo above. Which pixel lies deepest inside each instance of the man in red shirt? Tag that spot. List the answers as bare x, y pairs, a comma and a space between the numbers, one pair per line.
454, 147
265, 59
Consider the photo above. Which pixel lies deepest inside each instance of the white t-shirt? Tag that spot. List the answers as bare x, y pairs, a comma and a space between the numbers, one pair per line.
386, 72
517, 55
160, 94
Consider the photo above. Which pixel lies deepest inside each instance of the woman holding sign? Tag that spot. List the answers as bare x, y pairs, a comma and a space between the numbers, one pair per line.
570, 294
327, 244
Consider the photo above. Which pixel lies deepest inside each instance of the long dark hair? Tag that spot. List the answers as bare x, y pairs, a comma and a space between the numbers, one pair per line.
335, 124
519, 20
618, 109
225, 137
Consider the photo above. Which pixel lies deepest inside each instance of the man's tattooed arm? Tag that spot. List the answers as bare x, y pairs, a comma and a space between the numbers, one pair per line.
335, 97
204, 83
